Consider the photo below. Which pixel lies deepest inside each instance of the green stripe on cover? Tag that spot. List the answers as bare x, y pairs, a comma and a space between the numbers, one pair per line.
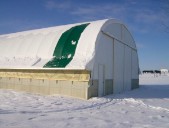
66, 47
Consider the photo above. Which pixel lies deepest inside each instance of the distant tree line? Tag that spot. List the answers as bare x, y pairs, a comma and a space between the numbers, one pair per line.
152, 71
161, 71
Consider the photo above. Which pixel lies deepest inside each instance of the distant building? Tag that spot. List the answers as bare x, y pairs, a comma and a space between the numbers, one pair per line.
164, 71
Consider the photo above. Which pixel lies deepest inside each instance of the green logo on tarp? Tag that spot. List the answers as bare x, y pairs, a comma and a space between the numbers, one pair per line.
66, 47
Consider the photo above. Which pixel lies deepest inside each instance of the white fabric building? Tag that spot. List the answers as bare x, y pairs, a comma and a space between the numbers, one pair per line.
106, 48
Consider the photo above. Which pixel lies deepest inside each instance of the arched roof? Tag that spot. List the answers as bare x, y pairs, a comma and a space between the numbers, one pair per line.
67, 46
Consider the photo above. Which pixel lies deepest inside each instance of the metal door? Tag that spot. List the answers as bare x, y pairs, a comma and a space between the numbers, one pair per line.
127, 69
118, 67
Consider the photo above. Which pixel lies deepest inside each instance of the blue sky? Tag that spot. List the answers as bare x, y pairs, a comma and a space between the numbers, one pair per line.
144, 18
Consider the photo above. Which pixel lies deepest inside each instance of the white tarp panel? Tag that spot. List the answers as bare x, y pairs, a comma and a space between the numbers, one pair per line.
24, 45
101, 80
118, 67
37, 40
127, 68
104, 56
16, 48
135, 68
127, 37
45, 44
115, 30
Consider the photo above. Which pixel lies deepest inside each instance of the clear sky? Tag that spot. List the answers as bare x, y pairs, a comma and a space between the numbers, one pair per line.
144, 18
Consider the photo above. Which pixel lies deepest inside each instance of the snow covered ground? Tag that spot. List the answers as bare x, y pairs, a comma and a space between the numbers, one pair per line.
146, 107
